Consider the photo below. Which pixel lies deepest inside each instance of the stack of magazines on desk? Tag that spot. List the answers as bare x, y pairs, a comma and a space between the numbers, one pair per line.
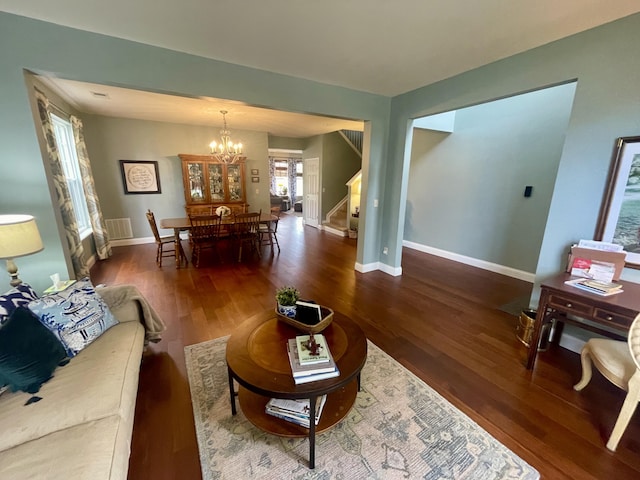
307, 367
596, 286
295, 411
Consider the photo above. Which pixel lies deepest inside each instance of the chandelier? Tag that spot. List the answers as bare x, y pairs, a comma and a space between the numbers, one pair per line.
226, 151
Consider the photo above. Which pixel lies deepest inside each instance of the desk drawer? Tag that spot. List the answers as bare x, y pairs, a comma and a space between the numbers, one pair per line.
567, 304
613, 319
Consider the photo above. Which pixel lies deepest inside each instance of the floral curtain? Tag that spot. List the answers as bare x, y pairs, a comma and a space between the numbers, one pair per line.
63, 198
272, 174
291, 173
100, 236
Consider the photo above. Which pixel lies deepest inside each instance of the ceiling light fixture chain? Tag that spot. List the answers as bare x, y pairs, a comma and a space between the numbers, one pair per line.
226, 151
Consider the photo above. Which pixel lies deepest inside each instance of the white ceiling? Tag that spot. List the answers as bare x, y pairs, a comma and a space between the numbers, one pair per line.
384, 47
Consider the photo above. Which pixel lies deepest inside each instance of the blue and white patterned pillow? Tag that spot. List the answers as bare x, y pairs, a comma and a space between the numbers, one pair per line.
76, 315
17, 296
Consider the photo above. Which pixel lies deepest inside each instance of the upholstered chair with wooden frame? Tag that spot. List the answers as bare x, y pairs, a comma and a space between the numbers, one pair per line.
618, 362
246, 231
268, 232
205, 235
161, 241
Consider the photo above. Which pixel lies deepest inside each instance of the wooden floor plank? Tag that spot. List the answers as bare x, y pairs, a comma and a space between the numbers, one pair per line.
440, 319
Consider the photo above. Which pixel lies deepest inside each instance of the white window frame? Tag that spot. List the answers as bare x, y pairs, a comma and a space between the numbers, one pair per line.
63, 132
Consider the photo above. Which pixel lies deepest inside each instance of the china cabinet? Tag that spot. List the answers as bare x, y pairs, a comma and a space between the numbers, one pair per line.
209, 184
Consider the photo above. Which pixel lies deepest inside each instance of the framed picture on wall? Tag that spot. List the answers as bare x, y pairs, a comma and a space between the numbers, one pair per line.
140, 176
255, 171
619, 220
255, 179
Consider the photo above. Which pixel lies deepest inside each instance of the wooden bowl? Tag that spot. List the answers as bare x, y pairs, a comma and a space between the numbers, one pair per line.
327, 318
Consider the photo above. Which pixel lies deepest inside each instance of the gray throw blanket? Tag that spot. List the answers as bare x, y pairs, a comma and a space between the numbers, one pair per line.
118, 295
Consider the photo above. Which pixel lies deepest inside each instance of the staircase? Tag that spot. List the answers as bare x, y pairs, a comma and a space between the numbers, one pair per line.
336, 220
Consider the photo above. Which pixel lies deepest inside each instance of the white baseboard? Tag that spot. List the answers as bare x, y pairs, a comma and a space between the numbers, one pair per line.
571, 343
474, 262
139, 241
383, 267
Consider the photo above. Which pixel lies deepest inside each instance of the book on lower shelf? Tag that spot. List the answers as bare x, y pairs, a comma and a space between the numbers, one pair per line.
312, 372
295, 410
306, 356
596, 287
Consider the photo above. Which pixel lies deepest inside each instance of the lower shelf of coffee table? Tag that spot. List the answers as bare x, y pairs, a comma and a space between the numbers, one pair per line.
337, 407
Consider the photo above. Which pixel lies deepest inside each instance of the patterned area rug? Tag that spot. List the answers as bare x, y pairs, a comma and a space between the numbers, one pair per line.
399, 428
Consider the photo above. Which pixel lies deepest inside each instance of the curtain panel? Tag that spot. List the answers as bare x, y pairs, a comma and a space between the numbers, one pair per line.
100, 235
63, 198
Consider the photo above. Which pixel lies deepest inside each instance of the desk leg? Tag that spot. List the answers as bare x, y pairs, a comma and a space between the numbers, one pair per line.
312, 432
540, 319
232, 393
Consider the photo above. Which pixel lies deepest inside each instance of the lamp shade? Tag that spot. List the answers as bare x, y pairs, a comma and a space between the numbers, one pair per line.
19, 236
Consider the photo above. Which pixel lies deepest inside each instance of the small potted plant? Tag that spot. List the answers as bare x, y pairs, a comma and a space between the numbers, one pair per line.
287, 298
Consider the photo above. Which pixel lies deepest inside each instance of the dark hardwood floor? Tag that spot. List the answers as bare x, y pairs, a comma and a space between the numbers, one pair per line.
440, 319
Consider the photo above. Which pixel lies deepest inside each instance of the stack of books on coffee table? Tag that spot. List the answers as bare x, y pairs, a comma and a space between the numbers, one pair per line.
307, 367
295, 411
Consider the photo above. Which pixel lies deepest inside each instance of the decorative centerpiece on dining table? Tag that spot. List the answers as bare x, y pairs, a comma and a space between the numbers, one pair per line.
223, 211
287, 298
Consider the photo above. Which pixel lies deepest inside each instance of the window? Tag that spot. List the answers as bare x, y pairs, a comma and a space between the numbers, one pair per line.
69, 159
282, 177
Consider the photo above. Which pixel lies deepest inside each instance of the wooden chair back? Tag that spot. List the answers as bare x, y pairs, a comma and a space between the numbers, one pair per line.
154, 226
204, 227
246, 224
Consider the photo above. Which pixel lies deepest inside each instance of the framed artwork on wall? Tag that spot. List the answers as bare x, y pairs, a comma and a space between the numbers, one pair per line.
140, 176
255, 171
255, 179
619, 220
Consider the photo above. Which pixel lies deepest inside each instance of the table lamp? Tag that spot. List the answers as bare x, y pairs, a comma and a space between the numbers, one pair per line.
19, 236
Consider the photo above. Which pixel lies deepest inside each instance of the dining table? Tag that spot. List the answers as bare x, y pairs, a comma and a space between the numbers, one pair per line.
181, 224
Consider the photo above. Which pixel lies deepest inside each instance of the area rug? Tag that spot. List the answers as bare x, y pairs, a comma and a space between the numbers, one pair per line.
399, 428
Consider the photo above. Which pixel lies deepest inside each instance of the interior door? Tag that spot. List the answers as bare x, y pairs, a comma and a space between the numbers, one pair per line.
311, 205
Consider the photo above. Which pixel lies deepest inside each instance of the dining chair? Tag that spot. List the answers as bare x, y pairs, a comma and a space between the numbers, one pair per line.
268, 231
618, 362
161, 241
205, 235
246, 231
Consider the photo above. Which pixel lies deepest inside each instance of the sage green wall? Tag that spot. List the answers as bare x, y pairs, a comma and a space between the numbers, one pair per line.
73, 54
287, 143
111, 139
606, 106
339, 163
465, 191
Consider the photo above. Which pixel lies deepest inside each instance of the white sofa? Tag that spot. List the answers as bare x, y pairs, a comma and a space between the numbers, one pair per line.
81, 428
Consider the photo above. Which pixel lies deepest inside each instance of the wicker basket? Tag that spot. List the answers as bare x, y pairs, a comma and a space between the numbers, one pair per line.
327, 318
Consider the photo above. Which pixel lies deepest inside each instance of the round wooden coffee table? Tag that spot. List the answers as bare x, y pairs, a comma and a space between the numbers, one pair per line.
257, 359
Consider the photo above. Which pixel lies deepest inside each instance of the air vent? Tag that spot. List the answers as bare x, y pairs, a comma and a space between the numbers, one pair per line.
119, 228
100, 94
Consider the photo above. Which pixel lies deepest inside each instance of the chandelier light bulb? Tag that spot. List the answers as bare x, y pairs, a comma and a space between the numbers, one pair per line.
226, 151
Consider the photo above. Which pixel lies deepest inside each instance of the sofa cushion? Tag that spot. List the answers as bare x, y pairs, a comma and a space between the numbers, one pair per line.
76, 315
20, 295
29, 352
96, 450
100, 381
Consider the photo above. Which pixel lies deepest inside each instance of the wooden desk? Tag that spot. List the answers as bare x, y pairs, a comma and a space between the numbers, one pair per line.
183, 223
557, 300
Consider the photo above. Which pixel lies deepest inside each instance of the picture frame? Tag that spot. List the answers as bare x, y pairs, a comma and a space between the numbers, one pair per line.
619, 219
255, 179
255, 171
140, 176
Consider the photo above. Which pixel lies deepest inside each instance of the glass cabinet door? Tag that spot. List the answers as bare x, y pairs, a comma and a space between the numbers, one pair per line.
196, 182
235, 183
216, 182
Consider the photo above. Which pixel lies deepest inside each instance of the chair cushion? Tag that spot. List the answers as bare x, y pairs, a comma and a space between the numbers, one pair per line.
613, 356
77, 315
29, 352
